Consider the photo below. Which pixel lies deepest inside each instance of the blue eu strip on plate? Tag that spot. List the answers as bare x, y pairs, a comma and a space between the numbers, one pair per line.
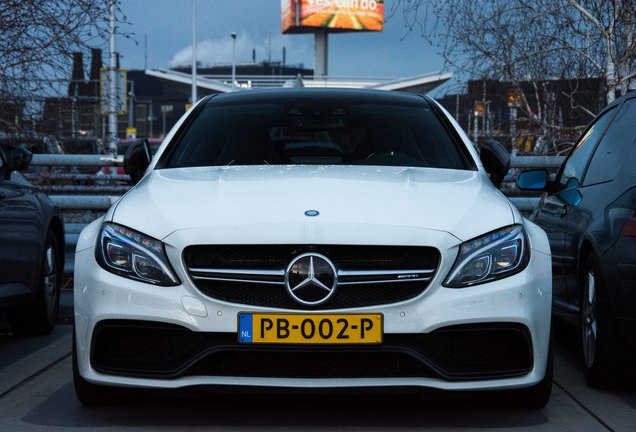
245, 328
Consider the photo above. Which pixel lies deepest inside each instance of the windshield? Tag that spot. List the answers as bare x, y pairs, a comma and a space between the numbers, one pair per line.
316, 133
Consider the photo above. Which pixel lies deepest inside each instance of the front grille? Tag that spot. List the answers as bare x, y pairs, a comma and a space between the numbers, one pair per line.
255, 274
465, 352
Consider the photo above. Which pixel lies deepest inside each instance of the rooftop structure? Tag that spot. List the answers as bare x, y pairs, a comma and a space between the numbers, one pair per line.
220, 83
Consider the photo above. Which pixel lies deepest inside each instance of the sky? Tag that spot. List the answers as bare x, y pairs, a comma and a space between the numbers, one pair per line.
167, 25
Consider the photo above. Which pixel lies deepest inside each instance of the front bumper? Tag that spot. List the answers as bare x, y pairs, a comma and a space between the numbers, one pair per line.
512, 356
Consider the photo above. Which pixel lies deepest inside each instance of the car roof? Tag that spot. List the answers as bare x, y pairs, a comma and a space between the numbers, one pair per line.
618, 101
317, 94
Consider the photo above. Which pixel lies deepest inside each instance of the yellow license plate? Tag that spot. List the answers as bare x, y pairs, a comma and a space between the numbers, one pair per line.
273, 328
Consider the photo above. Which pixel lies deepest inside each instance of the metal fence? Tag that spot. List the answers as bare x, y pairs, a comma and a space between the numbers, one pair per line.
103, 196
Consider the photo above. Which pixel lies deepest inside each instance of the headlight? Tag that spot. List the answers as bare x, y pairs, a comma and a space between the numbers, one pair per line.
496, 255
131, 254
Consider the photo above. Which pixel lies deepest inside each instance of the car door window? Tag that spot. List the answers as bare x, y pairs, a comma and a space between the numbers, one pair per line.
614, 147
3, 170
579, 156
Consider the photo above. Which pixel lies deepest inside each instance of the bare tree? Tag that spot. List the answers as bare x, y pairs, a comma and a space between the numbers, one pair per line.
37, 38
531, 42
534, 39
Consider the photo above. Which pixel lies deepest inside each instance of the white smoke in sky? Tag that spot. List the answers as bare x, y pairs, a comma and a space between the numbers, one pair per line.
219, 51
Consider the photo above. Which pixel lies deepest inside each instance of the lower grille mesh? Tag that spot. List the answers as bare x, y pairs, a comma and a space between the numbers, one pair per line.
465, 352
311, 365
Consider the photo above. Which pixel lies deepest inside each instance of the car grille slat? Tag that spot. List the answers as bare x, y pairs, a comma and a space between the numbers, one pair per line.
239, 275
255, 274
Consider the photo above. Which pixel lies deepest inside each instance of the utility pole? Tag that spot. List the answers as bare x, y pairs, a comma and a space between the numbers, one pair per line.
485, 112
457, 107
145, 51
321, 49
513, 130
111, 139
131, 105
151, 119
233, 35
194, 54
478, 111
74, 111
514, 102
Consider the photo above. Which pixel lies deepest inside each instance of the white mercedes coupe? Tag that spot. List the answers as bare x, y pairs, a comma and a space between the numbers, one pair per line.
314, 239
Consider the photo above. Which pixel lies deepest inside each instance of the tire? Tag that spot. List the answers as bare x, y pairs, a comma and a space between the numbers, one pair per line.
95, 395
39, 316
602, 352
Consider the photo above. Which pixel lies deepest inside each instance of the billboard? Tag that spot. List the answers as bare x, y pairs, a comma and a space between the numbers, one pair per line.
305, 16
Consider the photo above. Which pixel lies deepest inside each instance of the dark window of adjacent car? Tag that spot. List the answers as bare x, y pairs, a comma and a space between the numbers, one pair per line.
615, 147
579, 156
3, 174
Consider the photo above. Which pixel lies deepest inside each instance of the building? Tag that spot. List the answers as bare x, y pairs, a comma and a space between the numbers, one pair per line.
157, 98
78, 113
517, 115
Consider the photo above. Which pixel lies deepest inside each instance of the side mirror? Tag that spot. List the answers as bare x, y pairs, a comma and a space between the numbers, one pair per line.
536, 180
137, 159
496, 160
18, 158
571, 194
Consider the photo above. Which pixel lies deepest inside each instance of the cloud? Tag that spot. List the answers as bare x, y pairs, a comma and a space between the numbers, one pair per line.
212, 52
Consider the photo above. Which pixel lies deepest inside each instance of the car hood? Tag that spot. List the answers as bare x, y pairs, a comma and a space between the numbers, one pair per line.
270, 200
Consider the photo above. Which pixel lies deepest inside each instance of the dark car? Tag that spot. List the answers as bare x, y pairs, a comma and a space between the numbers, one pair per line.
589, 214
31, 249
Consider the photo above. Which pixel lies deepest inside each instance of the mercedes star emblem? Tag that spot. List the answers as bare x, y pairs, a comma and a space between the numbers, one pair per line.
311, 279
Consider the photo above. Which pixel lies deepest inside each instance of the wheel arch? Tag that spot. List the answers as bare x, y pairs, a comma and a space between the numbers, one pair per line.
57, 227
585, 251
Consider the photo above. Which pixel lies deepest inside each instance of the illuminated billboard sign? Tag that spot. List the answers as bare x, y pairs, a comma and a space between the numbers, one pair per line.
305, 16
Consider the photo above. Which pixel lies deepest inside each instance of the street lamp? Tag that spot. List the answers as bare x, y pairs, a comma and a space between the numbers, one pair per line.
194, 55
233, 35
111, 139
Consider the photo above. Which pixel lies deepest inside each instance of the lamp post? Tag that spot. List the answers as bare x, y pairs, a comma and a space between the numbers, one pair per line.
194, 55
111, 139
233, 35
